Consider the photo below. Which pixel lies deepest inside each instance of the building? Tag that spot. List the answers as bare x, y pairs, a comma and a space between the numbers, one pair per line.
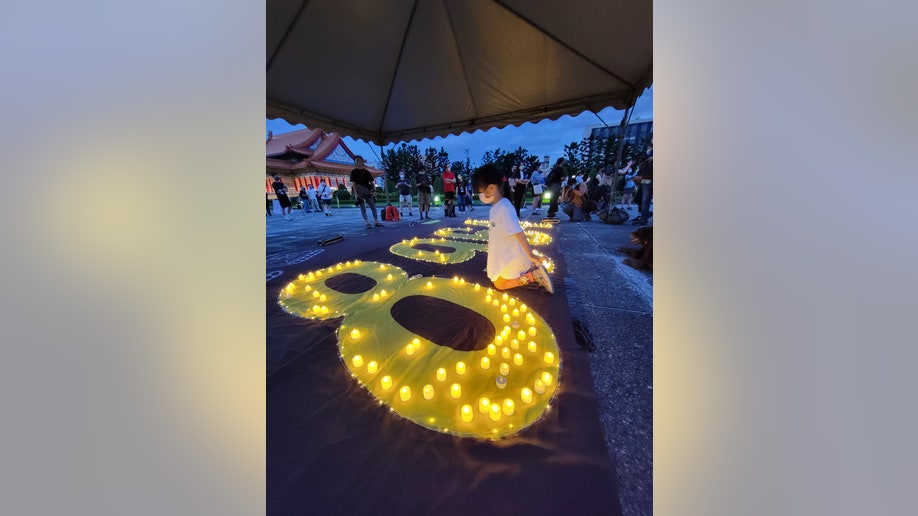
307, 156
637, 132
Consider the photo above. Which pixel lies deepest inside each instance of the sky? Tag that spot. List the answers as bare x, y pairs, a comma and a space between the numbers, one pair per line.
545, 138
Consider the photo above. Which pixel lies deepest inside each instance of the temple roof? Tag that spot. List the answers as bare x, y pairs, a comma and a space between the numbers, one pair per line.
325, 152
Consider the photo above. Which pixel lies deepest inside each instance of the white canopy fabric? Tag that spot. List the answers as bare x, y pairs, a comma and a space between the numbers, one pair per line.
399, 70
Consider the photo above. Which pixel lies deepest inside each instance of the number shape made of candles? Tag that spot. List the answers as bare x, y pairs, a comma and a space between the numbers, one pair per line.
488, 384
437, 250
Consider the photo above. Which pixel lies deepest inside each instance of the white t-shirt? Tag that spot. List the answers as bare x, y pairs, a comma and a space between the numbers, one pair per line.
506, 258
325, 192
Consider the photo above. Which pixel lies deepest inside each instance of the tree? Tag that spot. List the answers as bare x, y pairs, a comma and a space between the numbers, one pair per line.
405, 158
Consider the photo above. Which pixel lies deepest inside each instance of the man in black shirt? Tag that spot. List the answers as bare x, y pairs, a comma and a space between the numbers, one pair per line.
553, 183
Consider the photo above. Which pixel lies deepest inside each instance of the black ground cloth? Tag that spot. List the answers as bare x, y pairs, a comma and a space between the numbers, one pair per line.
332, 449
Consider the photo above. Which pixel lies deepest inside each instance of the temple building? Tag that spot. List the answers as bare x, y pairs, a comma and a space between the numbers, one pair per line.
307, 156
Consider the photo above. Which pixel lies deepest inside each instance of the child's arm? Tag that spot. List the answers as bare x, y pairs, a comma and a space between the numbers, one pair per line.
524, 243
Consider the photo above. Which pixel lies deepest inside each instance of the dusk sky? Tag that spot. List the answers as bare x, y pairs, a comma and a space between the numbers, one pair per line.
545, 138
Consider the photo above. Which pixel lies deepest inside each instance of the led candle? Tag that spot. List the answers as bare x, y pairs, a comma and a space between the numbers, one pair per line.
495, 412
546, 378
506, 318
549, 357
501, 382
404, 393
357, 360
518, 359
532, 331
383, 293
375, 297
531, 347
514, 344
389, 277
455, 279
512, 302
455, 390
316, 308
372, 367
505, 352
509, 408
485, 362
429, 285
466, 413
484, 405
516, 312
495, 302
539, 386
324, 310
416, 343
503, 308
409, 349
487, 299
504, 297
526, 395
315, 293
489, 292
323, 298
441, 374
523, 308
504, 368
386, 382
428, 391
492, 349
521, 335
460, 368
477, 287
355, 334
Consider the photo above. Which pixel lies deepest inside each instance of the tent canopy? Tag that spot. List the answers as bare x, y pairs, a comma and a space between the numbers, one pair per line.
403, 70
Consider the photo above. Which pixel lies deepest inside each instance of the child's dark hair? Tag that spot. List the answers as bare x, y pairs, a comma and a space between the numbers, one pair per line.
486, 175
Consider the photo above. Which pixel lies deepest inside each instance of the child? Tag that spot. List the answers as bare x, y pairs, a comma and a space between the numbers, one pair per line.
510, 260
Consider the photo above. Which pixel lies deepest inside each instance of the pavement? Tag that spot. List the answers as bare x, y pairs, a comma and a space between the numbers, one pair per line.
611, 300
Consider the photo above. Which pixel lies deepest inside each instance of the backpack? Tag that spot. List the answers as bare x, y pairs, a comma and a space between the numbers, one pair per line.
613, 216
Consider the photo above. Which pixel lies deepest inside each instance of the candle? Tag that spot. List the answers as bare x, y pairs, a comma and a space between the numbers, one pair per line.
546, 378
532, 331
477, 287
504, 368
429, 285
489, 292
521, 335
416, 343
485, 362
492, 349
499, 340
509, 408
505, 352
375, 297
386, 382
455, 390
484, 405
357, 360
441, 374
487, 299
495, 302
409, 349
323, 297
516, 312
549, 357
315, 293
523, 308
428, 391
460, 368
455, 279
526, 395
389, 277
514, 344
518, 359
501, 382
539, 386
316, 308
466, 413
495, 412
355, 334
531, 347
404, 393
324, 310
383, 293
372, 367
503, 308
504, 297
506, 318
512, 302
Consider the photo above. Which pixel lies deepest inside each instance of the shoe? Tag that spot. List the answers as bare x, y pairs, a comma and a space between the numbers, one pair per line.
541, 275
377, 225
368, 225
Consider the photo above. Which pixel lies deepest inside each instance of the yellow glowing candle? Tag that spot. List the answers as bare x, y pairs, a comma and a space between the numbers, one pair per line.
485, 362
531, 347
460, 368
495, 302
532, 331
386, 382
516, 312
416, 343
428, 391
495, 412
383, 293
492, 349
518, 359
455, 390
409, 349
404, 393
487, 299
375, 297
503, 308
484, 405
429, 285
466, 413
539, 386
355, 334
324, 310
357, 360
372, 367
455, 279
382, 267
514, 344
546, 378
505, 352
506, 318
504, 368
504, 297
315, 293
441, 374
389, 277
523, 308
323, 298
511, 302
477, 287
521, 335
549, 357
509, 408
526, 395
316, 308
489, 292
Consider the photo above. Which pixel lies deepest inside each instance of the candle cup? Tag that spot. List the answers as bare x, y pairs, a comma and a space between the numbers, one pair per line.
516, 312
531, 347
505, 352
441, 374
492, 349
509, 407
455, 390
503, 308
357, 360
386, 382
494, 412
484, 405
485, 362
504, 368
404, 393
526, 395
501, 382
506, 318
521, 335
539, 387
372, 367
518, 359
547, 379
428, 391
523, 308
514, 344
532, 331
466, 413
549, 357
460, 368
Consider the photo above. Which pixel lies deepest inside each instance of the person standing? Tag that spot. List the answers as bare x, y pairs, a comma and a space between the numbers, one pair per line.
519, 186
553, 183
422, 180
629, 188
280, 190
404, 194
311, 197
535, 179
449, 192
645, 178
304, 202
325, 194
364, 190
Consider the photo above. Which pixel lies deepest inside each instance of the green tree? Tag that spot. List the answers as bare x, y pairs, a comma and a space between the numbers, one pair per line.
403, 158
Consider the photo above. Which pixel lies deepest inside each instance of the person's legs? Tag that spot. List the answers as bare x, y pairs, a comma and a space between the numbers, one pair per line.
371, 200
646, 196
363, 210
553, 202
